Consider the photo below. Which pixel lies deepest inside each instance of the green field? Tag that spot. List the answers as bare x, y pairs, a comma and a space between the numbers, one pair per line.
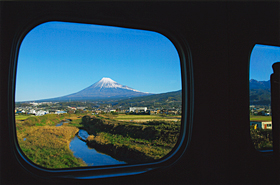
22, 117
145, 139
145, 117
138, 117
132, 142
44, 143
260, 118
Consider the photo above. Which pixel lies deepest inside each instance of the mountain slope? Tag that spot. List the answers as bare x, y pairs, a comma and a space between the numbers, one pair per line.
260, 93
254, 84
163, 100
105, 88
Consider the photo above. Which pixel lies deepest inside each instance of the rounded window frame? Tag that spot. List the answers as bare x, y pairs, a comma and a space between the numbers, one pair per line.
91, 172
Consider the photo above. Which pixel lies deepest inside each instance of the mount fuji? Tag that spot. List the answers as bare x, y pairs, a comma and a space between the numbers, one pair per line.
103, 89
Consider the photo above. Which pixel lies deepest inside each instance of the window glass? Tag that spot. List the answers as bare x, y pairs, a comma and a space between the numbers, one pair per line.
261, 61
92, 95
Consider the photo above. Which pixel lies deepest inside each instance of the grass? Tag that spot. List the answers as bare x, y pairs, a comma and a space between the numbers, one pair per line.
138, 117
260, 118
44, 143
48, 146
131, 142
144, 118
22, 117
129, 149
147, 130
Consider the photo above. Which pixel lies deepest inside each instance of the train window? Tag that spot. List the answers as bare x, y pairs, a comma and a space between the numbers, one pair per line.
261, 60
94, 95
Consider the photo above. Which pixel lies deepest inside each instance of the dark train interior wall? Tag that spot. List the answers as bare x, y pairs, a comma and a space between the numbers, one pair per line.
220, 36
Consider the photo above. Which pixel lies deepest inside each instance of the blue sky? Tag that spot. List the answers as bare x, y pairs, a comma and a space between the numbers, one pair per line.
58, 58
261, 60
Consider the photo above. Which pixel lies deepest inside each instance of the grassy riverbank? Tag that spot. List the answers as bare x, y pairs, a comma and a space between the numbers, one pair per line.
132, 142
45, 144
128, 149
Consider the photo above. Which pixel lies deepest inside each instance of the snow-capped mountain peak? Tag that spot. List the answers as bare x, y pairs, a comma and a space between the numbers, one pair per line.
109, 83
104, 88
107, 80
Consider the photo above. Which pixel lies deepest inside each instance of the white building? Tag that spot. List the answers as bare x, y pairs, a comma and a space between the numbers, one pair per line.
262, 124
137, 109
32, 111
41, 113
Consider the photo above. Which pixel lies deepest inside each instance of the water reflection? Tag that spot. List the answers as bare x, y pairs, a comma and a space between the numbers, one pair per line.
83, 135
89, 155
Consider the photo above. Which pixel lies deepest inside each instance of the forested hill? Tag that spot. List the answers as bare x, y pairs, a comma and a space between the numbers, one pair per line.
164, 100
260, 93
254, 84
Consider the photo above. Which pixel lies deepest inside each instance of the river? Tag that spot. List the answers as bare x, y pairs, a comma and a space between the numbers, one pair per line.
89, 155
62, 122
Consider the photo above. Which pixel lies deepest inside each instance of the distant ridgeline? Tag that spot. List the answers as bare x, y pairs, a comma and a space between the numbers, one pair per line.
163, 100
107, 90
260, 92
